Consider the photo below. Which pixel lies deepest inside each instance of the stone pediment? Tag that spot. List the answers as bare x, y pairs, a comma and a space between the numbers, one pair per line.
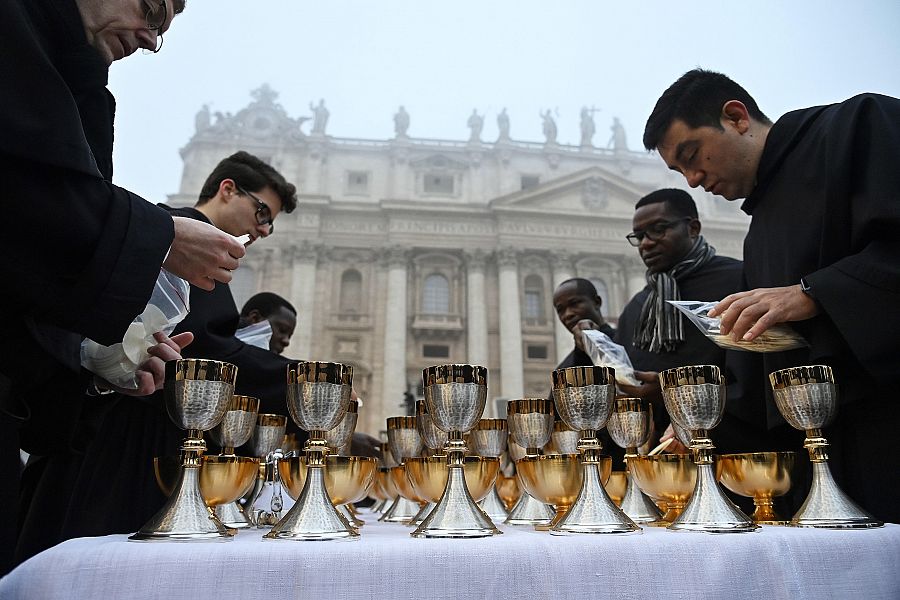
438, 162
593, 190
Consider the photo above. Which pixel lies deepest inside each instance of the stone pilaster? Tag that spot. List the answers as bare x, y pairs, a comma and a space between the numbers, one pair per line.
511, 375
476, 313
395, 324
303, 293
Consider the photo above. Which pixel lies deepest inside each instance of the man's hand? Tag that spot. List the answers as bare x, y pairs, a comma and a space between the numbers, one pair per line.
151, 373
747, 314
650, 389
202, 254
579, 327
675, 447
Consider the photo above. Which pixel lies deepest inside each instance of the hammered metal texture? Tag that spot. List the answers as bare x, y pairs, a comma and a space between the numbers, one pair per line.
585, 407
197, 404
629, 429
317, 406
530, 430
405, 442
488, 442
807, 406
184, 516
456, 406
516, 452
829, 507
235, 428
695, 406
340, 436
566, 441
266, 439
433, 437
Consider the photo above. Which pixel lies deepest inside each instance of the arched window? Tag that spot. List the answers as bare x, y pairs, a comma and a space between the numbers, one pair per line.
436, 295
534, 298
351, 291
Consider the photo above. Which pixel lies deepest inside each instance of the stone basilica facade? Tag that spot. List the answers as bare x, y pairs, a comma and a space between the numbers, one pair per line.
409, 252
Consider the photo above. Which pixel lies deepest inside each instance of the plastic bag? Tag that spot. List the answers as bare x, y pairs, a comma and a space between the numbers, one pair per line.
778, 338
606, 353
118, 363
257, 334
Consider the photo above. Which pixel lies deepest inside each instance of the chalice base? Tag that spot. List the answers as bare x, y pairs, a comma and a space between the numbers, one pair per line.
231, 515
638, 506
709, 510
530, 511
313, 517
348, 515
493, 506
401, 511
828, 507
381, 506
456, 514
593, 511
422, 514
185, 516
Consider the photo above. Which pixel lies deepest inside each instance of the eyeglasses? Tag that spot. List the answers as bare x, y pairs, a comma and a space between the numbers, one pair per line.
655, 232
156, 17
263, 212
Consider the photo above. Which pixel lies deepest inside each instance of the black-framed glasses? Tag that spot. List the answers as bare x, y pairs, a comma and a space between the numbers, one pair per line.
655, 232
156, 16
263, 212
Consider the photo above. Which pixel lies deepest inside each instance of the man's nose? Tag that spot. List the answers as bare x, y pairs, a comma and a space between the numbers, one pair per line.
694, 177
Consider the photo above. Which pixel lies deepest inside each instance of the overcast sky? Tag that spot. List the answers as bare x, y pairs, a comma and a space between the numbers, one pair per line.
442, 59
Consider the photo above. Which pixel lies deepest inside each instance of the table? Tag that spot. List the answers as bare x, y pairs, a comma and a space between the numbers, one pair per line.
385, 562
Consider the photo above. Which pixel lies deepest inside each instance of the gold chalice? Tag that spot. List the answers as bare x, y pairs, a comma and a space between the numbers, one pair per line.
557, 479
584, 400
667, 478
629, 427
508, 489
235, 430
456, 397
489, 439
530, 423
807, 399
318, 394
223, 479
758, 475
695, 399
428, 476
405, 442
616, 486
347, 478
197, 394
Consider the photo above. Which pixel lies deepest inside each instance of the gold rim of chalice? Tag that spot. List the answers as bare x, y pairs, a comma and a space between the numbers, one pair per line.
441, 374
530, 405
319, 372
428, 475
200, 369
668, 478
556, 479
347, 478
223, 479
758, 475
271, 420
490, 425
801, 376
582, 376
691, 375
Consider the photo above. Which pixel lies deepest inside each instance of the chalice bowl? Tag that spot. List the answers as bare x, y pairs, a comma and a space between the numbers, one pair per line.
616, 486
434, 440
584, 400
265, 501
667, 478
197, 395
456, 398
758, 475
629, 427
695, 399
530, 423
557, 479
318, 394
234, 430
807, 399
489, 440
564, 438
405, 442
338, 439
347, 478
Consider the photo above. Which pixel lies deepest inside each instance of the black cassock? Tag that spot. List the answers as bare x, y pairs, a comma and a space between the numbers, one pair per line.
826, 208
80, 254
113, 488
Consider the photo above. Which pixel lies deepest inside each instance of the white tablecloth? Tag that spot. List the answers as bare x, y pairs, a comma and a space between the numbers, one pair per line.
385, 562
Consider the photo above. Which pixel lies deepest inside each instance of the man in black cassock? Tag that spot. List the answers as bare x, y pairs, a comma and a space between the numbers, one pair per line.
578, 306
82, 255
113, 488
823, 190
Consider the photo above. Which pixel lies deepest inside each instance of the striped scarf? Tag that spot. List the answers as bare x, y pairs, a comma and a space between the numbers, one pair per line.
660, 328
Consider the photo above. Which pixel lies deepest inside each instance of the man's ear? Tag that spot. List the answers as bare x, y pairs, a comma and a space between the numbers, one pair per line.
227, 188
736, 115
694, 228
254, 316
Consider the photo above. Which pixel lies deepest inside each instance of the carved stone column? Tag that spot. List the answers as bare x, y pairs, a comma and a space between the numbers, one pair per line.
476, 313
511, 375
562, 270
395, 324
303, 294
